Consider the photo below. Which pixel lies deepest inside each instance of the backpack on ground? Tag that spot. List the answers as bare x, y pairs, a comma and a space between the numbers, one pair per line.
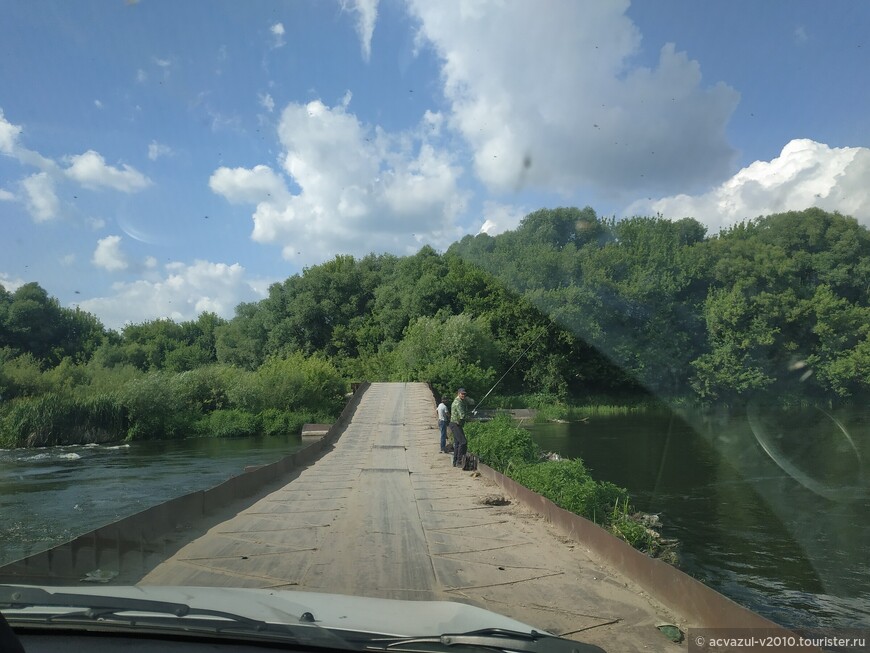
469, 462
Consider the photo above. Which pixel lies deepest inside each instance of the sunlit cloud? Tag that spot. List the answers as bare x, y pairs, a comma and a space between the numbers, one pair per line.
367, 14
361, 189
10, 283
498, 218
179, 292
108, 254
595, 118
40, 198
805, 174
91, 171
277, 31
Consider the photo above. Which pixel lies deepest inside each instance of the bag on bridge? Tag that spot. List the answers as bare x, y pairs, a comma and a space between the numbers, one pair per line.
469, 462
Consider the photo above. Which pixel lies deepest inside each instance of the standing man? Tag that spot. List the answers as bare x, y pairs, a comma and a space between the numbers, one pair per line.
443, 419
458, 413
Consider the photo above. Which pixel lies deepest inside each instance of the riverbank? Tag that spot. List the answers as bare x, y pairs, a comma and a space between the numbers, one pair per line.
746, 527
510, 450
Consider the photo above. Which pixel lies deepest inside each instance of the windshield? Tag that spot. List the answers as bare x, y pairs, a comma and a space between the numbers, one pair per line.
640, 226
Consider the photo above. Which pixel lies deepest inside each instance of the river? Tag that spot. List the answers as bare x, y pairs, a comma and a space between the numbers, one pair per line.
51, 495
771, 511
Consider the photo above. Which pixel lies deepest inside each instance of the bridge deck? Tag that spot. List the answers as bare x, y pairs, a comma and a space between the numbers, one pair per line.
384, 514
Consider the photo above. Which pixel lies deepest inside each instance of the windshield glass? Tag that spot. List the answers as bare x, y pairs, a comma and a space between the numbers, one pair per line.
643, 225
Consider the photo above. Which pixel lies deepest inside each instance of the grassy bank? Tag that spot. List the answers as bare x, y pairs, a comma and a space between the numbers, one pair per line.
551, 408
509, 449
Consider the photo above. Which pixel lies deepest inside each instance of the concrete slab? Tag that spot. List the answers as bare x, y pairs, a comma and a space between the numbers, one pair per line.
384, 514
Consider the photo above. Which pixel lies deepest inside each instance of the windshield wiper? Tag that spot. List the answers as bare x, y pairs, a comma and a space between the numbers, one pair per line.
153, 615
496, 638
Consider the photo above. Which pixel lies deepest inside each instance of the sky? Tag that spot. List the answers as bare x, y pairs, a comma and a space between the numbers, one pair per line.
161, 159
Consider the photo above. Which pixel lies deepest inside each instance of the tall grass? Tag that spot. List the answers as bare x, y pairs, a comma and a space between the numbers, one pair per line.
52, 418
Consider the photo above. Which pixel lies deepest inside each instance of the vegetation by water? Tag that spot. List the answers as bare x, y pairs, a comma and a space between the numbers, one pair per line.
509, 449
591, 310
124, 403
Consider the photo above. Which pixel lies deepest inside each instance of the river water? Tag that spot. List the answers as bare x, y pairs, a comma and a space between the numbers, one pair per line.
49, 496
771, 511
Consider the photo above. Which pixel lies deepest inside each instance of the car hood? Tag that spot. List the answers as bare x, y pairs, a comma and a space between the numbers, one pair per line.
334, 611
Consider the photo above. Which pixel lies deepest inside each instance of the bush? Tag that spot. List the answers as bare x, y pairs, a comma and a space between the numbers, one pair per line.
205, 388
157, 410
280, 422
567, 484
501, 444
292, 383
233, 423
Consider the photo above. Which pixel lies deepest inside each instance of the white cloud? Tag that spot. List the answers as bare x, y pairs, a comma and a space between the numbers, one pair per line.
141, 76
244, 186
267, 102
805, 174
361, 189
91, 171
367, 15
41, 200
96, 223
566, 106
498, 218
182, 293
163, 63
9, 283
108, 254
278, 35
98, 104
67, 259
10, 146
156, 150
9, 134
6, 196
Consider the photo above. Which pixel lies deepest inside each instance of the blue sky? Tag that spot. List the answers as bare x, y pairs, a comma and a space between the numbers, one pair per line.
158, 159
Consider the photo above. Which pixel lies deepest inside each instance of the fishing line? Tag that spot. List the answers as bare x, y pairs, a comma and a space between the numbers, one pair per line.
476, 408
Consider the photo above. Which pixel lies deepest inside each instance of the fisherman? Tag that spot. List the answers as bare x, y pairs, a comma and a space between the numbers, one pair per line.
443, 420
458, 413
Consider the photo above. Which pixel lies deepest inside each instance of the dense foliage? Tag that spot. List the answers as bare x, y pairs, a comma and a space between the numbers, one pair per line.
588, 308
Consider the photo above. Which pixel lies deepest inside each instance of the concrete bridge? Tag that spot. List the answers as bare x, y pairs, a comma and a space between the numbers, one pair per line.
379, 512
385, 514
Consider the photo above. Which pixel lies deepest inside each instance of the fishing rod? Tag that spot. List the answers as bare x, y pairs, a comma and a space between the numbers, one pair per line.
477, 407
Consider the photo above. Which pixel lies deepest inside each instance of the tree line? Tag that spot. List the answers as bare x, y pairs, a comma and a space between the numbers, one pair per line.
640, 307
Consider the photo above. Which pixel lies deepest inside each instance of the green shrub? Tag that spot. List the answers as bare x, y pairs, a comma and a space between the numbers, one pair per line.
22, 376
204, 389
157, 410
232, 423
567, 484
501, 444
291, 383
